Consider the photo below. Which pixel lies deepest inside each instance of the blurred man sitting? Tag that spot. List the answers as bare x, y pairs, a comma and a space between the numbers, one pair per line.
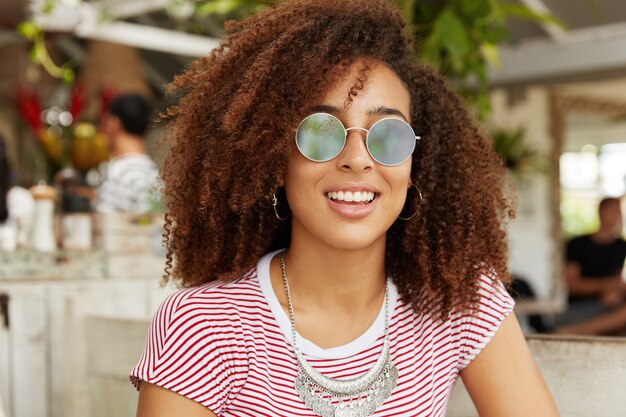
597, 291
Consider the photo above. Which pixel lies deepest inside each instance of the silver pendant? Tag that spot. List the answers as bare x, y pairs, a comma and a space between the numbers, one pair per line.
361, 403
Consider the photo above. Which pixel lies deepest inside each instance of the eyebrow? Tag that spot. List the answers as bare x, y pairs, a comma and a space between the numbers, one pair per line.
376, 111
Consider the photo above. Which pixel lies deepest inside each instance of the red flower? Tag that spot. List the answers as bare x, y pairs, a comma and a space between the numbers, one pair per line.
77, 100
29, 107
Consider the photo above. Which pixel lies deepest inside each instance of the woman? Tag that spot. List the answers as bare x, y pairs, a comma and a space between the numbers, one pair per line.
337, 218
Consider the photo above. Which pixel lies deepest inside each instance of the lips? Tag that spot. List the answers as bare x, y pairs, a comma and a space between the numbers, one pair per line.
352, 201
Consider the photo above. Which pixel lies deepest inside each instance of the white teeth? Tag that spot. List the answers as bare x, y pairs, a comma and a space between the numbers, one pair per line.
349, 196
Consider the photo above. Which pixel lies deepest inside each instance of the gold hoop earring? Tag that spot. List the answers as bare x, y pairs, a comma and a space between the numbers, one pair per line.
416, 211
274, 204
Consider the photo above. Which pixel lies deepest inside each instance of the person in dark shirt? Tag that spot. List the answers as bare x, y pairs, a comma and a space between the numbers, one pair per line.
597, 291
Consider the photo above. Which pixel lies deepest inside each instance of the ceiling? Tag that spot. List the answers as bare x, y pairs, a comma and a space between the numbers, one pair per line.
575, 14
591, 44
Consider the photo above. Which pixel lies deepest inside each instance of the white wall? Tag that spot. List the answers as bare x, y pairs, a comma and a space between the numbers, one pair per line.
532, 249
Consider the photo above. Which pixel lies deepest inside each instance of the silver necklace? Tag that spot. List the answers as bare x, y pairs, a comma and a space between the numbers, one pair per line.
329, 397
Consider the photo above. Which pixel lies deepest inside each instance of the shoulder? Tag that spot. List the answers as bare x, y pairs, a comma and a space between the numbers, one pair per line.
621, 247
124, 165
207, 319
478, 326
214, 300
464, 333
577, 246
491, 304
198, 345
580, 240
493, 300
491, 295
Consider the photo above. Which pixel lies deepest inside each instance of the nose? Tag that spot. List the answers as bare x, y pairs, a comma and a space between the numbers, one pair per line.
354, 156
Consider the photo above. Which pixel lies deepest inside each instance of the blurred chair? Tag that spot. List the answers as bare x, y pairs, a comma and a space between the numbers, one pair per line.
586, 376
522, 291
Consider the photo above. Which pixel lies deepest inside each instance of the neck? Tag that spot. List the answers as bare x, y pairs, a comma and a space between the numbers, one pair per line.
604, 235
125, 144
336, 279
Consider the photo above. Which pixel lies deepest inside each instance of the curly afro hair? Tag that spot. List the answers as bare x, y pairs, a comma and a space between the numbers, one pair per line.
231, 134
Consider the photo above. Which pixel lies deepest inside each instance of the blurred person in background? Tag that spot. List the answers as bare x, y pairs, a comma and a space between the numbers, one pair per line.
16, 207
130, 176
5, 179
594, 264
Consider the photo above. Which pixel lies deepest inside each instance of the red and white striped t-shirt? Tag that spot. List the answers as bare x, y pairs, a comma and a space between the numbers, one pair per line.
227, 345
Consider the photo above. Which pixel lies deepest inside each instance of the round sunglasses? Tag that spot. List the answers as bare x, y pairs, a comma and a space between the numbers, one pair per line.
320, 137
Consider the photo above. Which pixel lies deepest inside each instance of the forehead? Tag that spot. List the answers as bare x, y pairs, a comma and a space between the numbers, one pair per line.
366, 84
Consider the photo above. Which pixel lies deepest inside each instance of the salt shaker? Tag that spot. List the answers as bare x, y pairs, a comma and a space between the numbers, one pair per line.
43, 226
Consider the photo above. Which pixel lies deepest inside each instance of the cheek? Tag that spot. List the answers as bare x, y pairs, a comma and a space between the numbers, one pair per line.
406, 181
399, 180
300, 178
402, 175
297, 172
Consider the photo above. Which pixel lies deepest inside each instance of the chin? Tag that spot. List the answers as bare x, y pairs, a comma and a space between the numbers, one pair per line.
351, 244
342, 234
353, 238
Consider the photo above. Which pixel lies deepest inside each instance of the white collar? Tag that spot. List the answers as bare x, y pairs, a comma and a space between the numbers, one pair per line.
365, 340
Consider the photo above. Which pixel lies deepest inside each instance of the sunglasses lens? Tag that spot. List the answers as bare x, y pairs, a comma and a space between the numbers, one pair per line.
391, 141
320, 137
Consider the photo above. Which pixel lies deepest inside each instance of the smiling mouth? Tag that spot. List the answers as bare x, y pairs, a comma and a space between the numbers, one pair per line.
352, 197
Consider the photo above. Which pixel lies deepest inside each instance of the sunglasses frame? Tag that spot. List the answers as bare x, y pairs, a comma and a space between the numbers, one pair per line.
345, 138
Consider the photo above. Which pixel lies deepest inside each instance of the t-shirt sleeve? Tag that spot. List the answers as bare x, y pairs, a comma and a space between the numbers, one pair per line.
191, 353
479, 327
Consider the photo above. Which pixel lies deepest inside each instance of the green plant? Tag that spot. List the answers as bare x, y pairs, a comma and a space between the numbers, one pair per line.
519, 157
459, 38
39, 52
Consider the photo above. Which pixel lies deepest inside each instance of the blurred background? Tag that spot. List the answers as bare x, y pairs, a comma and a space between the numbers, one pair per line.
545, 78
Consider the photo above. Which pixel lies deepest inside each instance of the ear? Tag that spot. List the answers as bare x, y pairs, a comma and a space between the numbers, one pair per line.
113, 124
